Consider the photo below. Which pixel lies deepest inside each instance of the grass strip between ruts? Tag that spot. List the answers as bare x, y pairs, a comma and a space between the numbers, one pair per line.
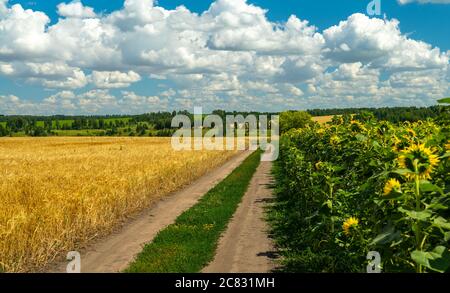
190, 243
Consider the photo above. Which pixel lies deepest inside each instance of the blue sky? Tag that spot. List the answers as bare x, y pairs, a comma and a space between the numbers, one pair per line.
173, 59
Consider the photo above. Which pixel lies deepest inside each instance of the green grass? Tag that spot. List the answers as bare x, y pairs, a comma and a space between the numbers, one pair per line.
19, 134
67, 122
81, 132
189, 244
109, 120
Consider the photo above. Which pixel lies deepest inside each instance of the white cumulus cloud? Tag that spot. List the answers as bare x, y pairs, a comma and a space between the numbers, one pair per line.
114, 79
75, 9
230, 56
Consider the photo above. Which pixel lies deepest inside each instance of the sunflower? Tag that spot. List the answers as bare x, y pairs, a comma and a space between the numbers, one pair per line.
400, 144
397, 142
334, 140
426, 160
357, 126
349, 223
411, 132
391, 184
383, 127
337, 120
318, 165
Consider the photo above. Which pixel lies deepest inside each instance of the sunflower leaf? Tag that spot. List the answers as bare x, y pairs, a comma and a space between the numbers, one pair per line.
444, 101
437, 260
361, 137
441, 223
387, 236
393, 195
447, 236
421, 216
439, 203
426, 186
402, 172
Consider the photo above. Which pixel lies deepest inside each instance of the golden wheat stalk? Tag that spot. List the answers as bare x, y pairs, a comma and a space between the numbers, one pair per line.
56, 194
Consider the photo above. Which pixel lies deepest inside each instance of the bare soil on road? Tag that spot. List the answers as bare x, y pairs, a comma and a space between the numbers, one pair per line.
114, 252
246, 247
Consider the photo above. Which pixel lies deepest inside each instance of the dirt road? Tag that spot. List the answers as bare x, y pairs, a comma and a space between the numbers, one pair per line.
115, 252
245, 246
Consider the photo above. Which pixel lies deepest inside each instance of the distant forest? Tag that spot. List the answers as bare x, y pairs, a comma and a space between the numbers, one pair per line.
395, 115
159, 123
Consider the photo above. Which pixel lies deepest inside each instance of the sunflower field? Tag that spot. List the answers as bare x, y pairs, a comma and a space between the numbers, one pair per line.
357, 185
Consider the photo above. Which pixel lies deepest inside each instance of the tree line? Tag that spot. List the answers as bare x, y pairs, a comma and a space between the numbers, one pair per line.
394, 114
159, 123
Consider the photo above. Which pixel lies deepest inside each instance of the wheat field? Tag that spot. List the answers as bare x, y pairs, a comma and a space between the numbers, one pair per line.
57, 194
322, 119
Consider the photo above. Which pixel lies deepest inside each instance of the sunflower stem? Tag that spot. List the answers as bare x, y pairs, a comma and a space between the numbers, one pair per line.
419, 242
332, 203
